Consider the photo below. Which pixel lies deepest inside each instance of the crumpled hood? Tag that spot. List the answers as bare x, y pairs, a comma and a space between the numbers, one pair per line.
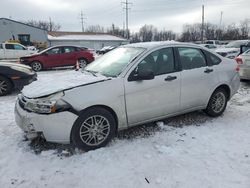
226, 50
56, 82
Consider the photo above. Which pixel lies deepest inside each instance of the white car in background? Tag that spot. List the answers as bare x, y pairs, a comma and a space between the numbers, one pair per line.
131, 85
232, 49
15, 50
243, 61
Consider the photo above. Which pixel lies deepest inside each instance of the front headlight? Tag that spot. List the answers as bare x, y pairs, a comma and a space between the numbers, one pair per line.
47, 105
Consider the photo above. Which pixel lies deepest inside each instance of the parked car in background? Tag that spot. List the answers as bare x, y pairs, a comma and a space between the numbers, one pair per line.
232, 49
105, 49
213, 42
58, 56
209, 46
14, 76
14, 50
243, 61
150, 81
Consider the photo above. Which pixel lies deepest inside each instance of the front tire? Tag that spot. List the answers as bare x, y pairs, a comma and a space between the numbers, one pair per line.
217, 103
93, 129
36, 66
5, 86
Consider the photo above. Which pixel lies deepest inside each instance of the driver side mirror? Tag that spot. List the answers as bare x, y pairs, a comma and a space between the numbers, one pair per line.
140, 74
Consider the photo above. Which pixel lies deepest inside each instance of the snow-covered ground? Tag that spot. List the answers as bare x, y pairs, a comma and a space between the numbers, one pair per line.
191, 150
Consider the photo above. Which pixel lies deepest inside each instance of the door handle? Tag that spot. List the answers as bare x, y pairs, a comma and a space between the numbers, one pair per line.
170, 78
208, 70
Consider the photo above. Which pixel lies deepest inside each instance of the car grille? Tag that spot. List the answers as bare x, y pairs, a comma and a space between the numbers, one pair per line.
22, 102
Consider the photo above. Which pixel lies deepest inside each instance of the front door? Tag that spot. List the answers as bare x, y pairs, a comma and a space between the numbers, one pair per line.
53, 57
152, 99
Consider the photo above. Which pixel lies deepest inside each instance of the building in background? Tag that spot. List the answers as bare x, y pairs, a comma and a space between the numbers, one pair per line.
15, 31
90, 40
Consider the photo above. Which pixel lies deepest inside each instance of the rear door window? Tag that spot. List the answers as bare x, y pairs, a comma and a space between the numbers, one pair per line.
9, 46
69, 49
191, 58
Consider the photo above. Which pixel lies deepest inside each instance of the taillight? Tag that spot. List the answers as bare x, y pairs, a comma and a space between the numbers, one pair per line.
239, 60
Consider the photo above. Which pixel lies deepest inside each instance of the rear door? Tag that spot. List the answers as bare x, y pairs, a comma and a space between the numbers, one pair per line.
151, 99
198, 77
69, 55
10, 52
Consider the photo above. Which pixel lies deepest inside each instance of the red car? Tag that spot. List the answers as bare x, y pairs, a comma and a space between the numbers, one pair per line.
58, 56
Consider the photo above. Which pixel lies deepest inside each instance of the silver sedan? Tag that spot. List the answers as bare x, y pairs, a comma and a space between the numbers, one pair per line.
244, 65
131, 85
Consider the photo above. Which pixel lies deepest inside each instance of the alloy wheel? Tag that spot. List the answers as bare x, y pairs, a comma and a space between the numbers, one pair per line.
36, 66
218, 102
3, 87
94, 130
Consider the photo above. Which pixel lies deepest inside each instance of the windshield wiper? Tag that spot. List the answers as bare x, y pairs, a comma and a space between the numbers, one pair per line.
91, 72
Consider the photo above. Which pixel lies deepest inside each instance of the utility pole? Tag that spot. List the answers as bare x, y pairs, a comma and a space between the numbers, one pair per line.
202, 25
82, 22
221, 14
50, 24
126, 9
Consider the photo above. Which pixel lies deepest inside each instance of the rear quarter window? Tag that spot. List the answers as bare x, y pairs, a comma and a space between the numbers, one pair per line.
212, 59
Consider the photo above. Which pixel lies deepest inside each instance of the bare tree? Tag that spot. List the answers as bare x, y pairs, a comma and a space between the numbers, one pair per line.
46, 25
244, 28
95, 29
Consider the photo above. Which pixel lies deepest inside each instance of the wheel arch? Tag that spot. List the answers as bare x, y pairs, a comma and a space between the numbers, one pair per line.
83, 58
38, 62
226, 88
109, 109
11, 81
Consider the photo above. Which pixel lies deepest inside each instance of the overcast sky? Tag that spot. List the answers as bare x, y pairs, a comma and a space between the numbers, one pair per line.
168, 14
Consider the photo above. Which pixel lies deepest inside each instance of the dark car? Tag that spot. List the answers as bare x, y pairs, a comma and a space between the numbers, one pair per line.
105, 49
58, 56
14, 76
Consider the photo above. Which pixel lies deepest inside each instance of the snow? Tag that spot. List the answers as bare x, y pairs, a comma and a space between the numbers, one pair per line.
191, 150
96, 37
59, 81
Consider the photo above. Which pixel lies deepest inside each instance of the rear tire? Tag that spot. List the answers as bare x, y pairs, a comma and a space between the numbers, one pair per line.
82, 63
36, 66
93, 129
217, 103
5, 86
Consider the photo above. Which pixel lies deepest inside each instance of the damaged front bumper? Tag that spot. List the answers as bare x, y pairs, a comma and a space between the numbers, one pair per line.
54, 127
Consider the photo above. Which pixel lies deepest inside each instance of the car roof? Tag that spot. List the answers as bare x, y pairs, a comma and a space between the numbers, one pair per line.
58, 46
152, 45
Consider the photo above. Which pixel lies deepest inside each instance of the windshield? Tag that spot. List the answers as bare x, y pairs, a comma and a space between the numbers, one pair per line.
113, 63
235, 44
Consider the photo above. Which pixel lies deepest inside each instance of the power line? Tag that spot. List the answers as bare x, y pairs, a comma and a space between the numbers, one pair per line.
82, 20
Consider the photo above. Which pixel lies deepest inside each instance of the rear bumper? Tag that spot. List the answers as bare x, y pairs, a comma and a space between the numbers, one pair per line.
245, 73
235, 84
19, 83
